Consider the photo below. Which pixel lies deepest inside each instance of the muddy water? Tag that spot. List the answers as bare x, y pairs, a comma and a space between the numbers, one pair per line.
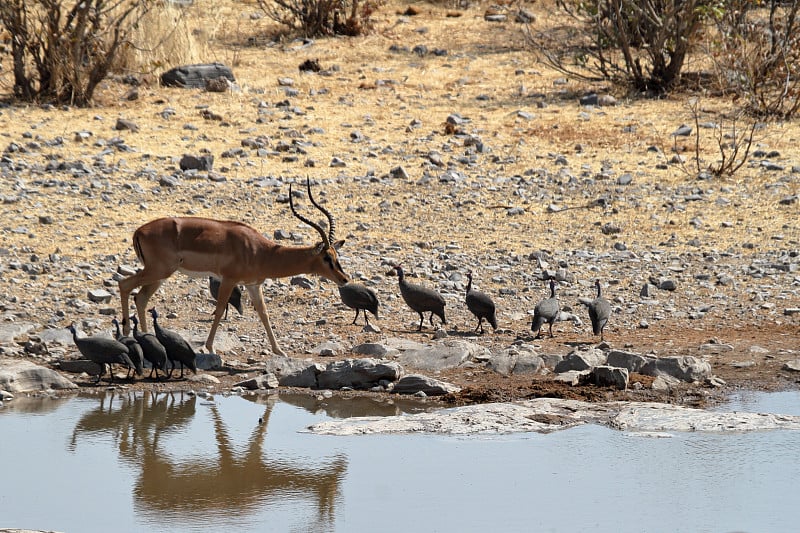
178, 462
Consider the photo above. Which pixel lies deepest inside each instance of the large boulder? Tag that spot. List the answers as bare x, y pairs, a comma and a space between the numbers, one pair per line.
18, 375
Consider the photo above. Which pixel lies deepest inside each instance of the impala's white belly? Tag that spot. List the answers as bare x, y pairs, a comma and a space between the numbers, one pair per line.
198, 274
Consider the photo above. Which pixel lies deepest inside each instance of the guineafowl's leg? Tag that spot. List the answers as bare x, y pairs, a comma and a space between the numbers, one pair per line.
421, 320
356, 317
257, 297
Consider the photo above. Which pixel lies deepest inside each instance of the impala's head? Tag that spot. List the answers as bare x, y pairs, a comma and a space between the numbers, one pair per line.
327, 259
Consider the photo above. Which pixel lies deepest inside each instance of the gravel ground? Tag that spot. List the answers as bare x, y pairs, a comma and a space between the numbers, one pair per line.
479, 159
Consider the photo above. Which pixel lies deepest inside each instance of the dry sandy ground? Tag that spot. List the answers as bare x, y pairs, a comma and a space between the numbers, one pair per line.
398, 104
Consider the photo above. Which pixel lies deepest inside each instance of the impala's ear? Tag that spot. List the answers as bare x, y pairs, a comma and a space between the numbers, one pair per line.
338, 244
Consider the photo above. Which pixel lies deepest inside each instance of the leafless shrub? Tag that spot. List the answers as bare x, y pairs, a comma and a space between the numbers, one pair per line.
321, 17
642, 44
756, 54
733, 137
62, 49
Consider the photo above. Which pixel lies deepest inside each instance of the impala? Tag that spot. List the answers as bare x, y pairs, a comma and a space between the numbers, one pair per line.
233, 252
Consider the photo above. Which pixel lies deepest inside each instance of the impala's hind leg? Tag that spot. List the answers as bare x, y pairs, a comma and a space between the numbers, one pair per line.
224, 292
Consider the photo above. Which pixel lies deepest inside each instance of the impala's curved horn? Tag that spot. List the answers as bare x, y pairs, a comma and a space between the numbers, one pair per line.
331, 223
325, 240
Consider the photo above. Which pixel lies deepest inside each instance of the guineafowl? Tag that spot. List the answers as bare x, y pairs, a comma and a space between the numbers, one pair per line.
421, 299
599, 311
357, 296
134, 349
177, 348
481, 305
103, 351
546, 311
234, 300
153, 350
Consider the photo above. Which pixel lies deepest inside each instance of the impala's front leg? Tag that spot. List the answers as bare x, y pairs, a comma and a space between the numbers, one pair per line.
257, 297
141, 298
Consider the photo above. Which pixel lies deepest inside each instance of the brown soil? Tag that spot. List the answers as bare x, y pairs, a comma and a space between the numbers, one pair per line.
487, 76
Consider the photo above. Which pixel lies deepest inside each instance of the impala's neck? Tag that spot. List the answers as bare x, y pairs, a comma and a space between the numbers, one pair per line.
286, 261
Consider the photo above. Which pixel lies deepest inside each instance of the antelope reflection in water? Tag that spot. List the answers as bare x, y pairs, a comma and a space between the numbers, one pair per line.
236, 481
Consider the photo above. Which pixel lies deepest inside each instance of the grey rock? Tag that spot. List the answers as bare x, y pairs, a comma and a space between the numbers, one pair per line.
606, 100
357, 373
123, 124
262, 381
793, 366
516, 361
99, 296
664, 383
10, 331
573, 377
648, 291
551, 359
581, 360
190, 162
293, 372
17, 375
684, 368
633, 362
371, 349
610, 376
667, 285
414, 383
328, 349
682, 131
545, 415
448, 353
208, 361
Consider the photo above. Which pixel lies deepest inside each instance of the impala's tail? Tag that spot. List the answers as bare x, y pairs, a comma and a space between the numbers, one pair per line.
137, 247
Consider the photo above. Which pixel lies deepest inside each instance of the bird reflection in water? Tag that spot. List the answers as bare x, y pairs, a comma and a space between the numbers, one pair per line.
234, 479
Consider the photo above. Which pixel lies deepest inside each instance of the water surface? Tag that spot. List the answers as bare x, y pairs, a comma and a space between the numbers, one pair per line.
177, 462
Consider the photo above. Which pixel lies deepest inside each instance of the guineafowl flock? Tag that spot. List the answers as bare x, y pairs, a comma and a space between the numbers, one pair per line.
165, 347
164, 350
421, 300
